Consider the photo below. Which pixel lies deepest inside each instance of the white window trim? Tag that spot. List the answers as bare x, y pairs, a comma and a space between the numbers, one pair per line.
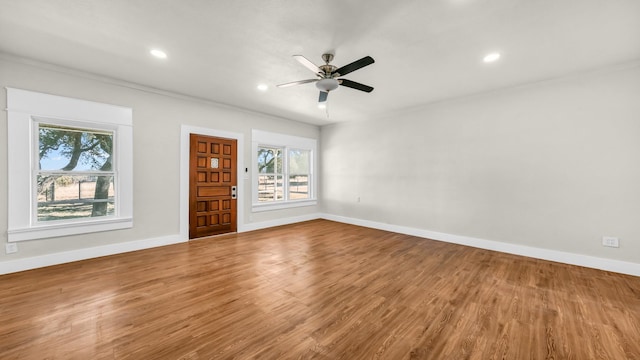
22, 108
269, 139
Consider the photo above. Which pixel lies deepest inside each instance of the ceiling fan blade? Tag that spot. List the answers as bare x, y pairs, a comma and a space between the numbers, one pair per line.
367, 60
355, 85
308, 64
299, 82
323, 96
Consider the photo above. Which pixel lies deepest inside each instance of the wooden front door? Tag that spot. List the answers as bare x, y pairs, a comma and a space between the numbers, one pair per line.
212, 186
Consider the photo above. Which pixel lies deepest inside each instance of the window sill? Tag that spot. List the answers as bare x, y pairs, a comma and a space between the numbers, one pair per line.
56, 230
283, 205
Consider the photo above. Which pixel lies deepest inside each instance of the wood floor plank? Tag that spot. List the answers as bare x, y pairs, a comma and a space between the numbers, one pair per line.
318, 290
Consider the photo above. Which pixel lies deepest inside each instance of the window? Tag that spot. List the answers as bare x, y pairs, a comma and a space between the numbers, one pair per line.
270, 174
75, 175
284, 171
299, 174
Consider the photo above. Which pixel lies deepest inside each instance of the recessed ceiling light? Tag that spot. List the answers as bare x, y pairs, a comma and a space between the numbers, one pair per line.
263, 87
491, 57
158, 53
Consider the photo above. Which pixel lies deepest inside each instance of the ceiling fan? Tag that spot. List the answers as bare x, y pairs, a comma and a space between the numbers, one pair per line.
328, 76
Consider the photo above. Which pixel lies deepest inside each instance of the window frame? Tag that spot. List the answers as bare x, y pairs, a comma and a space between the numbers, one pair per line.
39, 172
308, 174
286, 143
25, 110
275, 174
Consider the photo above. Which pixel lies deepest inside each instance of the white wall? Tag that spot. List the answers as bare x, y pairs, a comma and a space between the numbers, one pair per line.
157, 121
553, 165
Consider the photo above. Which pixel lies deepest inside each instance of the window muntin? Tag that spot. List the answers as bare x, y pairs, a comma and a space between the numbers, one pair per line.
71, 162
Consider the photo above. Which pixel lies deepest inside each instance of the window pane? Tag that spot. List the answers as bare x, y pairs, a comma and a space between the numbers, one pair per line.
62, 197
269, 160
270, 188
298, 187
299, 162
68, 148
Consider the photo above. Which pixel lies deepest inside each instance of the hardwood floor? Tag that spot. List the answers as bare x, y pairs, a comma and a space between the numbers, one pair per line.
318, 290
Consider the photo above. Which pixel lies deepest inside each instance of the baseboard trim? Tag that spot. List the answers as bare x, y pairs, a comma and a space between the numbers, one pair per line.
278, 222
617, 266
35, 262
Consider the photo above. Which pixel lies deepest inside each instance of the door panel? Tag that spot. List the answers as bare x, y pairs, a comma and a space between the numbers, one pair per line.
212, 174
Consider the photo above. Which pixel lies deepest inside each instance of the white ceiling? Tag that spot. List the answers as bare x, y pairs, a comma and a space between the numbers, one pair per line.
425, 50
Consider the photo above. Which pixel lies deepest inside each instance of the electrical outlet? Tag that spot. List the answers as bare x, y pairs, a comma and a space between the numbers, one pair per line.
610, 241
11, 248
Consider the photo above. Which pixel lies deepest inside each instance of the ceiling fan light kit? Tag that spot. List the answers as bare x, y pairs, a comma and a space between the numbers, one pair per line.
327, 84
328, 76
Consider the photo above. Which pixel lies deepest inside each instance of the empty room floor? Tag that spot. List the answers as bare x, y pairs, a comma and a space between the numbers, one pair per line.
318, 290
